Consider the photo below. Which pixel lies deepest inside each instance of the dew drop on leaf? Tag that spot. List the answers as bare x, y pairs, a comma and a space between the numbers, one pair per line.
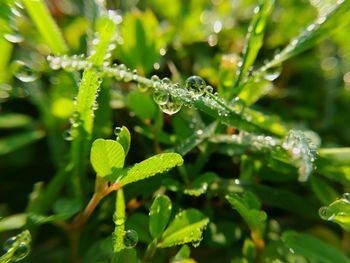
23, 72
272, 74
21, 252
117, 130
208, 89
323, 212
346, 197
9, 243
68, 135
196, 243
142, 87
13, 38
160, 97
195, 85
172, 106
130, 238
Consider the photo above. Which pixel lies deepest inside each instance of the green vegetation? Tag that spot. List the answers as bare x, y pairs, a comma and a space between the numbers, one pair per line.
175, 131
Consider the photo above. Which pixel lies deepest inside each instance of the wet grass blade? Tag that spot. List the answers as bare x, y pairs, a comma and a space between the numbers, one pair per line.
313, 33
321, 28
82, 127
46, 25
254, 40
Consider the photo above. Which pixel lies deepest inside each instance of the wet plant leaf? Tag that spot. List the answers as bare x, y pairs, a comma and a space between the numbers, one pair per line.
156, 164
187, 227
106, 156
159, 215
312, 248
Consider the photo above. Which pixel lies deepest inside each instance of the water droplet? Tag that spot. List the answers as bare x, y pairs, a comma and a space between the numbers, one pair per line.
21, 252
155, 78
323, 212
346, 197
196, 243
10, 243
121, 71
208, 89
68, 135
142, 87
13, 38
195, 85
272, 74
160, 97
23, 72
238, 105
128, 76
217, 26
212, 40
162, 51
130, 238
156, 66
172, 106
117, 130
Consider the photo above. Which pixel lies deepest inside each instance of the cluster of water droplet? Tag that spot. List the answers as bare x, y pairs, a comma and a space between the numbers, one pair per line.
75, 123
338, 211
12, 34
69, 63
18, 247
168, 103
121, 73
257, 142
301, 151
170, 97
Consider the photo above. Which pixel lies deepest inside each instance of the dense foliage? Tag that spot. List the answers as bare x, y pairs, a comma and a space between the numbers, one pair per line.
175, 131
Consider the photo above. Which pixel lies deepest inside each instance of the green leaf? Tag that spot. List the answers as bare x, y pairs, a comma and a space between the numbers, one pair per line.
200, 184
247, 206
125, 256
119, 221
156, 164
312, 248
338, 212
323, 190
106, 30
66, 207
254, 39
183, 253
142, 42
106, 155
139, 222
124, 139
338, 156
46, 25
13, 222
159, 215
195, 139
14, 120
143, 106
187, 227
18, 249
13, 142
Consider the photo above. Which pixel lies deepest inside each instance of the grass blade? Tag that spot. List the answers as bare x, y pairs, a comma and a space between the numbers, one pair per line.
254, 40
46, 25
